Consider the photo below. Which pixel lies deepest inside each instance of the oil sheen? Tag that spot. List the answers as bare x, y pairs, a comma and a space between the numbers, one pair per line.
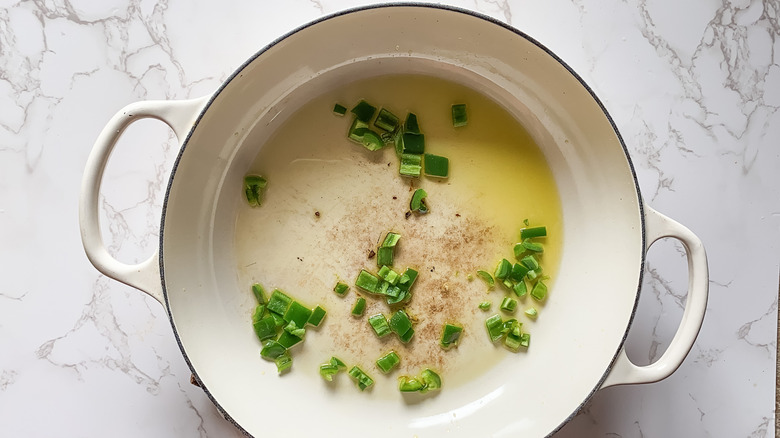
330, 201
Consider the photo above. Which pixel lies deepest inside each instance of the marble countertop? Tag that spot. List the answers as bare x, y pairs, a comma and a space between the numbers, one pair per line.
694, 88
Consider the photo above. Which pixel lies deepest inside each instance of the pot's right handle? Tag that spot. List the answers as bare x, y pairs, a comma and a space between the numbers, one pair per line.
626, 372
180, 116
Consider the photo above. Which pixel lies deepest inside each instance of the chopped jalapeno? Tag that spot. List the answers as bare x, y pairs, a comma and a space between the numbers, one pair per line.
417, 204
495, 326
532, 313
520, 288
386, 120
430, 380
287, 339
485, 305
503, 269
539, 292
409, 384
279, 302
259, 313
368, 282
388, 361
297, 313
271, 350
459, 116
532, 246
317, 315
508, 305
487, 277
450, 336
283, 362
530, 263
360, 307
400, 323
341, 288
411, 165
526, 233
379, 323
265, 328
327, 371
362, 380
259, 293
436, 166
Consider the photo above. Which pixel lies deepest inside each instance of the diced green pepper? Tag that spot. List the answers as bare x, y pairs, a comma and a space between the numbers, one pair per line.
265, 328
520, 288
485, 305
411, 125
495, 326
327, 371
413, 143
295, 330
254, 185
388, 361
259, 313
530, 262
487, 277
400, 323
339, 109
385, 256
431, 381
532, 246
317, 315
519, 250
379, 323
411, 165
386, 120
297, 313
364, 111
356, 131
409, 384
390, 276
359, 307
508, 305
417, 204
338, 363
391, 239
271, 350
283, 363
259, 293
525, 340
539, 292
512, 341
532, 313
287, 340
341, 288
450, 336
406, 337
362, 380
371, 140
279, 302
278, 320
503, 269
368, 282
436, 166
526, 233
459, 115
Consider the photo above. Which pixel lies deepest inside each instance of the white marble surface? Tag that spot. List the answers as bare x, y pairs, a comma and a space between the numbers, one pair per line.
693, 86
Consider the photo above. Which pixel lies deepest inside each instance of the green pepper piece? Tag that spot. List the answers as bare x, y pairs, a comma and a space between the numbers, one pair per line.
485, 305
406, 337
417, 204
279, 302
503, 269
356, 131
525, 340
317, 315
362, 380
487, 278
278, 320
400, 323
363, 111
259, 313
508, 305
389, 275
539, 292
259, 293
526, 233
265, 328
531, 313
371, 140
518, 272
386, 120
519, 250
293, 329
495, 326
254, 185
530, 262
450, 336
459, 115
411, 125
338, 363
436, 166
411, 165
413, 143
409, 384
327, 371
287, 339
512, 341
341, 288
368, 282
431, 381
283, 363
271, 350
388, 361
297, 313
391, 239
532, 246
339, 109
520, 288
379, 323
385, 256
360, 307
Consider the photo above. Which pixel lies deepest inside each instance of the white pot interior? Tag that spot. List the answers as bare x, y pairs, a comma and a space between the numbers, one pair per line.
594, 295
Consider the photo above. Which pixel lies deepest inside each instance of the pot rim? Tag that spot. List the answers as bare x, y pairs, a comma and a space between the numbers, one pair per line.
445, 7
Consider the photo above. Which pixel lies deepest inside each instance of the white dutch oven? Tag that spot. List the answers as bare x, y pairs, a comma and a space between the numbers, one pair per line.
193, 272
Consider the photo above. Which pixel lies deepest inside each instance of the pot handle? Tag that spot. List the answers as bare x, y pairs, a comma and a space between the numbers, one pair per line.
145, 276
626, 372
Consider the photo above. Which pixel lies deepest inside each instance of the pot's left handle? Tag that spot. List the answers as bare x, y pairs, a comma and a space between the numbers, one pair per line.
145, 276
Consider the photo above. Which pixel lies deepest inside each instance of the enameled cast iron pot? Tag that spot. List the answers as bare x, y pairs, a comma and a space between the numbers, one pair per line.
192, 273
